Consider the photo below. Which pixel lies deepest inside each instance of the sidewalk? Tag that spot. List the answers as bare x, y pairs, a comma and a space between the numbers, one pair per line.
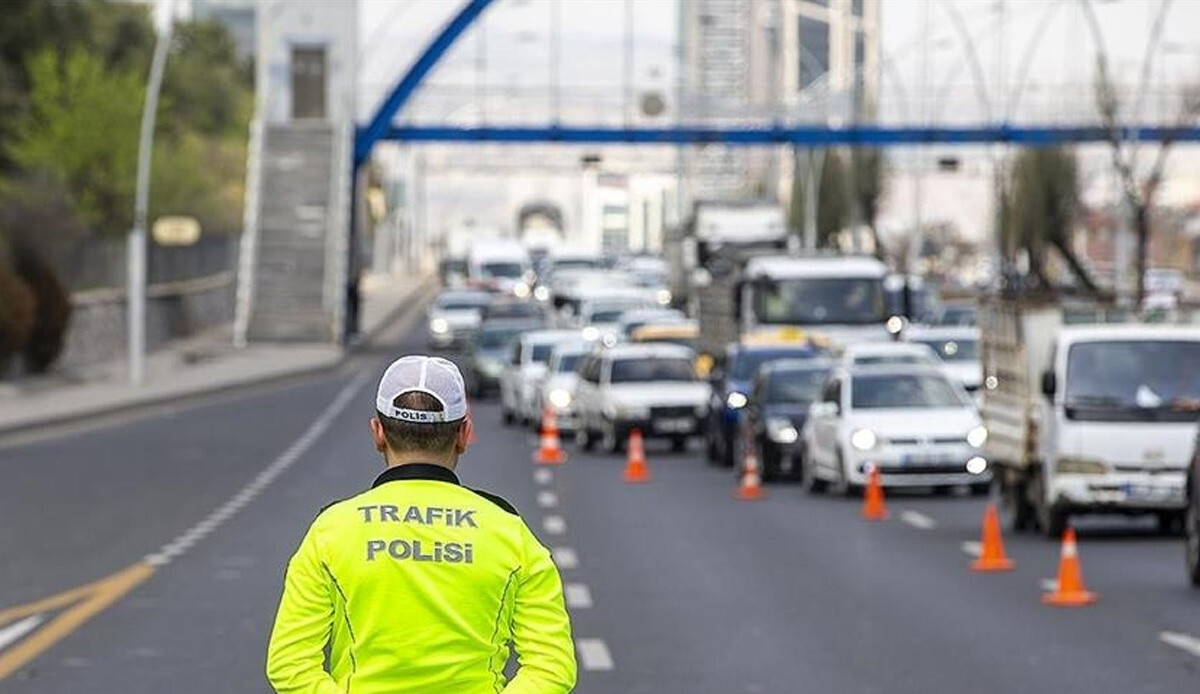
204, 364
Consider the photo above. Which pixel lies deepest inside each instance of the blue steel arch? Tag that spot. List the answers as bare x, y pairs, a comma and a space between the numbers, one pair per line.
381, 126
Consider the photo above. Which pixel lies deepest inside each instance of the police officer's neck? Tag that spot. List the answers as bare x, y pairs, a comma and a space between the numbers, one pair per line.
393, 459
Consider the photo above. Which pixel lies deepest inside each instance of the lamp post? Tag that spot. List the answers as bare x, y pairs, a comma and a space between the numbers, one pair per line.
136, 265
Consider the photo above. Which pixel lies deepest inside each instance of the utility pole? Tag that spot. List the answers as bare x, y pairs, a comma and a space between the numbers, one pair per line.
136, 264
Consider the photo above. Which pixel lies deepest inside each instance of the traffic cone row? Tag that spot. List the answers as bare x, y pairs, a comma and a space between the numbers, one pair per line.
636, 470
750, 486
873, 508
550, 450
1069, 591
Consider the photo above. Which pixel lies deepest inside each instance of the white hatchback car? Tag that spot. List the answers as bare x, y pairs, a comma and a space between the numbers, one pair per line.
556, 389
527, 362
915, 424
651, 387
879, 353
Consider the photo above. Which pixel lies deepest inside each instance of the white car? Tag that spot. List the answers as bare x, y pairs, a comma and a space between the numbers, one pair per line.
649, 387
635, 318
454, 317
915, 424
882, 353
958, 348
527, 363
600, 312
556, 390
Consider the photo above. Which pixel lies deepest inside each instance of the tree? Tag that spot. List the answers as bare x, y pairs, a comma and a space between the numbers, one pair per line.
833, 198
1039, 210
82, 128
1138, 189
868, 171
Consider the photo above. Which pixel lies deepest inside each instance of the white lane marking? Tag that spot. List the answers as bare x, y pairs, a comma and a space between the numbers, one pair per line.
555, 525
579, 596
543, 476
1049, 585
918, 520
593, 654
547, 499
1184, 642
565, 557
17, 631
973, 549
188, 539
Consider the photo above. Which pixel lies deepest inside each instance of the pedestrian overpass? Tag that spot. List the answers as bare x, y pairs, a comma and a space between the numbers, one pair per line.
302, 219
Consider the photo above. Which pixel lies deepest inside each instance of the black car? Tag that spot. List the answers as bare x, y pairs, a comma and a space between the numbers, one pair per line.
487, 354
776, 411
1191, 523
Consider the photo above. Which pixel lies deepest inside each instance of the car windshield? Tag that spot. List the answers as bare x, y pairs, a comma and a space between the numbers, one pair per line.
799, 386
494, 338
506, 269
541, 353
462, 302
652, 369
568, 362
1132, 380
746, 364
954, 350
514, 309
902, 391
821, 301
876, 359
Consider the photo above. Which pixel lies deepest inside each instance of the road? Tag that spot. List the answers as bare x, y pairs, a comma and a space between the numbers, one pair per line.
674, 585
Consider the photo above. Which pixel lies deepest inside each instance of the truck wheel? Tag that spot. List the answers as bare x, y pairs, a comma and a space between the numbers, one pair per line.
1016, 505
1053, 521
1171, 522
1192, 530
506, 415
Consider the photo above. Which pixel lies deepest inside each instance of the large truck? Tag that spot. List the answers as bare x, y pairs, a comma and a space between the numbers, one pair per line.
1085, 416
718, 236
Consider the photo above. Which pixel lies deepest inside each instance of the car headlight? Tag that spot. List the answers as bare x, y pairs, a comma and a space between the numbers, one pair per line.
439, 325
977, 465
736, 400
1080, 466
542, 293
591, 333
863, 439
521, 290
977, 436
663, 297
491, 368
782, 430
560, 398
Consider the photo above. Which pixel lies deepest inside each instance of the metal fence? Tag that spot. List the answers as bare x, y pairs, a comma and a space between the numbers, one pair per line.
100, 263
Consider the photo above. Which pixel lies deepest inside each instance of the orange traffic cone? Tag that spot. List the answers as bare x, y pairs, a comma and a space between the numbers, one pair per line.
750, 486
993, 557
873, 507
1070, 591
636, 469
550, 451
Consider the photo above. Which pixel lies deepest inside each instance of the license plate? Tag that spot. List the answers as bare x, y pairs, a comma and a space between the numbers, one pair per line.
1149, 493
674, 426
908, 459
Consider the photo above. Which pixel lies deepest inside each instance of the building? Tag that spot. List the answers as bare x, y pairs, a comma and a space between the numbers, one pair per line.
762, 61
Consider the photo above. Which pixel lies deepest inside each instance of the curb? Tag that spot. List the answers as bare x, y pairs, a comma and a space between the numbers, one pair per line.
101, 414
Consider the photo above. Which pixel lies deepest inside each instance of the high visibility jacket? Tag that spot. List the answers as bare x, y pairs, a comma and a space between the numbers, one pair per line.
418, 585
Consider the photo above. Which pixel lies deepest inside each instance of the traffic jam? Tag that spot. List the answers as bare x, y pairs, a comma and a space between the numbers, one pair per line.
833, 375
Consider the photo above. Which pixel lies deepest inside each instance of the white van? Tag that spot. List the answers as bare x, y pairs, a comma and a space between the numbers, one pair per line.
500, 264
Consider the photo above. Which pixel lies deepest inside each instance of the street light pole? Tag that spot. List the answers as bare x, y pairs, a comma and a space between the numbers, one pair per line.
136, 264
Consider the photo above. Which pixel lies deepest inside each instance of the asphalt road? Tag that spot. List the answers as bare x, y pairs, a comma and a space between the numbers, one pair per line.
675, 587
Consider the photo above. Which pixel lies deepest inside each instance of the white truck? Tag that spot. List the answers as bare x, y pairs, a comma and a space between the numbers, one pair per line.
1087, 417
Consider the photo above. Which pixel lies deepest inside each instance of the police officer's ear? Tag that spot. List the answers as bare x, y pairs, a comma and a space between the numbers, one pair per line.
465, 433
377, 435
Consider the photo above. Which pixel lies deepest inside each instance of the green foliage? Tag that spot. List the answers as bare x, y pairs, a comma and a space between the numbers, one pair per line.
82, 128
849, 187
205, 83
833, 199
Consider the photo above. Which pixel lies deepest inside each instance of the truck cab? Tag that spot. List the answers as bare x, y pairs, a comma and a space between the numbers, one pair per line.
1088, 419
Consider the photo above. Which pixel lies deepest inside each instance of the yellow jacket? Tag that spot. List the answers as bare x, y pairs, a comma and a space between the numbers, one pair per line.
418, 585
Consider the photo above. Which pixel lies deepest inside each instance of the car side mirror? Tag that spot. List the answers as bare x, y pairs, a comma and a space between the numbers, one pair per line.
1049, 384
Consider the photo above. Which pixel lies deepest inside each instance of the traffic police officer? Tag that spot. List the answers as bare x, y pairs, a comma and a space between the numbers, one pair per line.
419, 584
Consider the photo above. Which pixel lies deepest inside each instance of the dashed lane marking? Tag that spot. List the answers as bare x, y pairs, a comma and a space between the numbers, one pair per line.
28, 639
593, 654
543, 476
973, 549
918, 520
555, 525
547, 499
1184, 642
565, 557
579, 596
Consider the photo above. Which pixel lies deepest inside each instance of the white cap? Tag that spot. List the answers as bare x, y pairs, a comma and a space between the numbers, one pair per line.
434, 376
